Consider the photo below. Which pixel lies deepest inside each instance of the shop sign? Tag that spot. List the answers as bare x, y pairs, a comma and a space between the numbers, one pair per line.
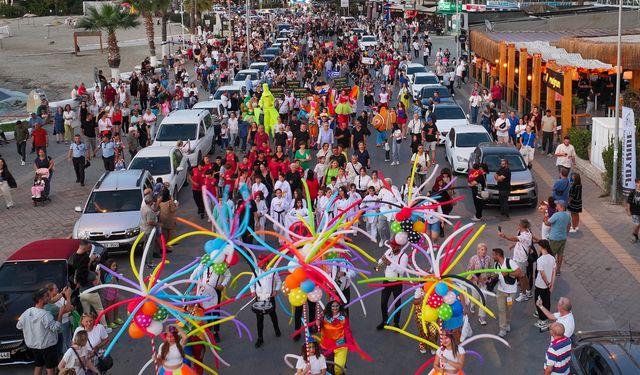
344, 3
448, 7
475, 7
554, 80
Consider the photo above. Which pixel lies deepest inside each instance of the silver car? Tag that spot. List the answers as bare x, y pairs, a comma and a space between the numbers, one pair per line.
111, 215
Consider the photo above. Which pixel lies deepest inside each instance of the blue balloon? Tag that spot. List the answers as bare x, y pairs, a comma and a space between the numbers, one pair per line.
456, 308
442, 289
415, 216
213, 245
456, 292
307, 286
453, 323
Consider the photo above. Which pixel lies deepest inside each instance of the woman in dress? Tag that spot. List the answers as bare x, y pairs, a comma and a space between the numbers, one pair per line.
478, 262
449, 360
575, 202
7, 183
171, 353
44, 161
58, 125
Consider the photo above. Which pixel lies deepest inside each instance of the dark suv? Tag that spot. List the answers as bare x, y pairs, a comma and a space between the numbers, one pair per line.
606, 353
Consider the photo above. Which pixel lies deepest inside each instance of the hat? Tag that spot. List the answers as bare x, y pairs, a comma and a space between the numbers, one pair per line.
561, 203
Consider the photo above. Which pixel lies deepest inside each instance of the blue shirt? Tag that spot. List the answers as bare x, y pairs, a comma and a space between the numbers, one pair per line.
513, 122
108, 149
78, 150
35, 120
560, 189
559, 222
528, 139
243, 128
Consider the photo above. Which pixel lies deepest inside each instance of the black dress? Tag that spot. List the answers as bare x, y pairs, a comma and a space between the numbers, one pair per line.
575, 198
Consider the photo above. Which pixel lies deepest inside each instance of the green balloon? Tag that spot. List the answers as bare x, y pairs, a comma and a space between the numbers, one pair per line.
219, 268
395, 227
205, 259
160, 315
445, 312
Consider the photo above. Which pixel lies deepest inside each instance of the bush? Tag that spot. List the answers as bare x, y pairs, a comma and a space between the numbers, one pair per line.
12, 11
581, 141
607, 158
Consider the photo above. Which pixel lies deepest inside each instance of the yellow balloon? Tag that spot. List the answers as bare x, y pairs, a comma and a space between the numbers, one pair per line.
430, 314
297, 297
419, 226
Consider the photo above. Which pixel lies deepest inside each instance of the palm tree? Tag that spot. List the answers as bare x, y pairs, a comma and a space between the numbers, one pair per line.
200, 7
147, 9
109, 18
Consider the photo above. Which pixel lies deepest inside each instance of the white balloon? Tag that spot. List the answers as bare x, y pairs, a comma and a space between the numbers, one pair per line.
155, 328
401, 238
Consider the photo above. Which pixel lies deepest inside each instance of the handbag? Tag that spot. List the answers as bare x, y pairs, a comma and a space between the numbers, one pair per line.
105, 363
532, 255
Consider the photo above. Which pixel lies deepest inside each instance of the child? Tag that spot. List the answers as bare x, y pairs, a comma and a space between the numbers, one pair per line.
39, 182
111, 294
387, 150
320, 169
119, 166
224, 136
368, 202
261, 211
157, 188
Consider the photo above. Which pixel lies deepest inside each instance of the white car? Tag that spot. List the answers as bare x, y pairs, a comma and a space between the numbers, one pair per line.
260, 66
460, 143
421, 80
193, 125
413, 68
241, 76
367, 41
448, 115
166, 162
215, 98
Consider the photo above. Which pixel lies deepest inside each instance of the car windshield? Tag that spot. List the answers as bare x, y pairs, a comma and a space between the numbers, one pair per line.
427, 92
114, 201
31, 276
516, 163
369, 39
426, 80
272, 51
155, 165
448, 113
417, 69
243, 76
176, 132
471, 139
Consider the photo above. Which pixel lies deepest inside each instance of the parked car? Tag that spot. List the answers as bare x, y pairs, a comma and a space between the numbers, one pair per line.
421, 80
427, 92
193, 125
460, 143
413, 68
165, 162
260, 66
448, 115
606, 352
275, 51
23, 273
524, 190
367, 41
111, 215
241, 76
266, 57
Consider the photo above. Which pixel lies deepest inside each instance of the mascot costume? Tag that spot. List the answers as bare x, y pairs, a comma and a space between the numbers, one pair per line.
270, 113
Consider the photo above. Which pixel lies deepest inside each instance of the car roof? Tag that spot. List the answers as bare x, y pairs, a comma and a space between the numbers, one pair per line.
248, 71
624, 346
261, 63
494, 148
415, 65
50, 249
205, 104
149, 152
469, 129
364, 36
182, 116
426, 74
445, 105
228, 88
126, 179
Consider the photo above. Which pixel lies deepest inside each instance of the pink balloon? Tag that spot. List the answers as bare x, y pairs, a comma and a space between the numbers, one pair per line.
143, 321
315, 295
401, 238
450, 298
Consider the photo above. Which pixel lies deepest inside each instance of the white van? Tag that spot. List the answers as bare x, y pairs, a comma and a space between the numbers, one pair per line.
192, 125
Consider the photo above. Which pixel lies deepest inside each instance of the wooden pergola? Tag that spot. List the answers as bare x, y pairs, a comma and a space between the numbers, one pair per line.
78, 34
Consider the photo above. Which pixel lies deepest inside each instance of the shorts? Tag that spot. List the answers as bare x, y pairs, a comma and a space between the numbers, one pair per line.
47, 357
435, 227
430, 145
635, 219
523, 266
557, 247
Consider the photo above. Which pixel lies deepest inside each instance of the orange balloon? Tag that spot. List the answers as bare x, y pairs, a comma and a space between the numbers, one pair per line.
299, 275
427, 286
291, 282
135, 331
419, 226
149, 308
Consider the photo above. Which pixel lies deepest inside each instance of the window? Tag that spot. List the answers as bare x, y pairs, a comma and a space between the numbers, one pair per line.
593, 363
471, 139
114, 201
426, 80
175, 132
155, 165
516, 163
201, 130
427, 92
448, 113
30, 276
207, 122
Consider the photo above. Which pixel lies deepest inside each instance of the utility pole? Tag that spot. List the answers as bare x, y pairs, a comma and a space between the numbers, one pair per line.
248, 33
616, 137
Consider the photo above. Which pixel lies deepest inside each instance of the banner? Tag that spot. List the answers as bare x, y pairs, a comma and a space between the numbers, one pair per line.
344, 3
367, 60
628, 150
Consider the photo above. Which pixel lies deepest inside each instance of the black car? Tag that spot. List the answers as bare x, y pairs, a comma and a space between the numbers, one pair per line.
427, 92
606, 353
24, 272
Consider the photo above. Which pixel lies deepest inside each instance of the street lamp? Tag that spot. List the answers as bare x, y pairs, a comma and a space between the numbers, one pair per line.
247, 36
616, 139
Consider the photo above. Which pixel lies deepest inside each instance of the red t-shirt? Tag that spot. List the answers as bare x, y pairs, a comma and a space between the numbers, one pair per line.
260, 138
39, 137
211, 184
230, 159
197, 176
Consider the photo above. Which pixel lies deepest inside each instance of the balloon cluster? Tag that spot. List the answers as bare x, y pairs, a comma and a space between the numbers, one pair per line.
407, 227
300, 288
147, 320
443, 303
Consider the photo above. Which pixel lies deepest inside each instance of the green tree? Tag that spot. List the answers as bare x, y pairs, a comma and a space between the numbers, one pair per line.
201, 6
147, 9
109, 18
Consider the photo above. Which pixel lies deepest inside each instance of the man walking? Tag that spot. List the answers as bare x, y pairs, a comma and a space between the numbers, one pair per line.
559, 223
558, 358
40, 331
506, 289
395, 263
503, 178
21, 134
549, 124
566, 155
77, 153
265, 290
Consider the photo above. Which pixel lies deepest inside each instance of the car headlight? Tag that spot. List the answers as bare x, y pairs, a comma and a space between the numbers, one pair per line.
132, 231
83, 235
461, 159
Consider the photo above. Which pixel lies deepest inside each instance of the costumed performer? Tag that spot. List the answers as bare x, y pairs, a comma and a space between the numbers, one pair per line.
449, 357
171, 355
266, 102
337, 340
344, 107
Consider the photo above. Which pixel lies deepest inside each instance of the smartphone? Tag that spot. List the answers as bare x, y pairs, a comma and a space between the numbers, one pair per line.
499, 228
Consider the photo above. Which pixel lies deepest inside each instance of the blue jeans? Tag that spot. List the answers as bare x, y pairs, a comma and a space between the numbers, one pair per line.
243, 143
395, 151
474, 115
381, 137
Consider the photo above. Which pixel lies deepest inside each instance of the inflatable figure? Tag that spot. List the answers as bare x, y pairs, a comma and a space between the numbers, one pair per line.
270, 113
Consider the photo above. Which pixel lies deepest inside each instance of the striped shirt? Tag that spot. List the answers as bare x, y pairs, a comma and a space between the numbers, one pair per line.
559, 356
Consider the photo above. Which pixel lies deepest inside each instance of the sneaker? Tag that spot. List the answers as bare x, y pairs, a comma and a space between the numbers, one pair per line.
502, 333
475, 219
472, 309
529, 294
433, 352
509, 328
423, 351
535, 315
482, 320
541, 324
119, 321
522, 297
23, 163
33, 196
572, 230
113, 325
381, 243
109, 330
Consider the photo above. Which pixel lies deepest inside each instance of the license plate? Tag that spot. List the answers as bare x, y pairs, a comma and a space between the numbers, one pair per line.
5, 355
514, 198
110, 244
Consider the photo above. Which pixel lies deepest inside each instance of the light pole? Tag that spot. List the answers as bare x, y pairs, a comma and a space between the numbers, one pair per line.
248, 31
182, 23
616, 139
457, 32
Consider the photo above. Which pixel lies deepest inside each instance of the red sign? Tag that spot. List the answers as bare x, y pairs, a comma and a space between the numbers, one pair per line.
475, 7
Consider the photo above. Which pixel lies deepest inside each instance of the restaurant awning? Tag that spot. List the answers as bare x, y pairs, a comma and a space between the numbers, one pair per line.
561, 56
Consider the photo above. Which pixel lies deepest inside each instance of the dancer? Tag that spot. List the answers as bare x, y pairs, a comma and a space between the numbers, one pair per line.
171, 353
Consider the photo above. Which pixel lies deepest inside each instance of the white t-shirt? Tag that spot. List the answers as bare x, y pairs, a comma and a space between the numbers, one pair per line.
545, 263
502, 127
521, 248
565, 161
422, 162
71, 360
317, 364
502, 286
97, 334
568, 323
448, 354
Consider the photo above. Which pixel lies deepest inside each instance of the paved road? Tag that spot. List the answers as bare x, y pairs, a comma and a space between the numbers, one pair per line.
603, 290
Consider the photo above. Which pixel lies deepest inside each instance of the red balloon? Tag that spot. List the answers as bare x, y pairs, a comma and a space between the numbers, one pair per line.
233, 259
404, 214
132, 305
300, 229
